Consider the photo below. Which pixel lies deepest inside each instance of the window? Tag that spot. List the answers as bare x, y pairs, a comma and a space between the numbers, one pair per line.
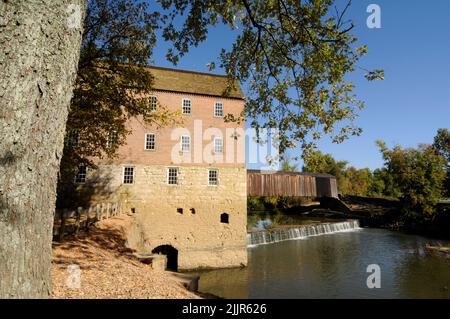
185, 143
80, 178
218, 109
180, 210
153, 101
172, 176
150, 141
224, 218
128, 175
187, 106
218, 146
112, 139
213, 177
73, 139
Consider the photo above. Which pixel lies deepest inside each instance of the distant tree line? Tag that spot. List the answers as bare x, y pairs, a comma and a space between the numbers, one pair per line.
419, 177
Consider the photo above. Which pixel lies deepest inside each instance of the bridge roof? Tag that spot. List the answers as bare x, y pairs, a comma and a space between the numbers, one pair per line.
257, 171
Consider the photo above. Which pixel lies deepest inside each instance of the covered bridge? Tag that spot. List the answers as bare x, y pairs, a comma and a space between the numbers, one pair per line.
274, 183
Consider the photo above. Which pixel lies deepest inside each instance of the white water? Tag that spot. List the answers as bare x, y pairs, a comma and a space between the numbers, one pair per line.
300, 232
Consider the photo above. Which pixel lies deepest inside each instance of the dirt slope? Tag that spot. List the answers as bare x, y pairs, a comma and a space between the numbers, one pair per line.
108, 268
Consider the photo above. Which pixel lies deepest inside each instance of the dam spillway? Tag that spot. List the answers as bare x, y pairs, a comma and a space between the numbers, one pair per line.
275, 235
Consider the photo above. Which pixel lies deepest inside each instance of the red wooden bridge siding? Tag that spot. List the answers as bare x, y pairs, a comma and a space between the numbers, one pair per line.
266, 183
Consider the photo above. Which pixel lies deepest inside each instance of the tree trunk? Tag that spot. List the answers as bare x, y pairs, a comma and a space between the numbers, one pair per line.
40, 43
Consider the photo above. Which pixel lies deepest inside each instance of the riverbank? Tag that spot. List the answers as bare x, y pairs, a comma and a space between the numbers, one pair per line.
108, 269
441, 250
383, 213
386, 213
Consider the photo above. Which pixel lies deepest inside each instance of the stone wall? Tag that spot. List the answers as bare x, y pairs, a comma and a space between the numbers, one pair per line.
201, 239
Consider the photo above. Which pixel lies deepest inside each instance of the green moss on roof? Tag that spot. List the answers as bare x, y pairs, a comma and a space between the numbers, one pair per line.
193, 82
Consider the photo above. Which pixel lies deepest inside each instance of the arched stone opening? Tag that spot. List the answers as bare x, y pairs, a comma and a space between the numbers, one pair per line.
171, 253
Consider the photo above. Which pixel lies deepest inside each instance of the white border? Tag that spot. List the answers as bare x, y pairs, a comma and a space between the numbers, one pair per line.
123, 174
218, 182
223, 109
145, 142
181, 144
182, 106
178, 176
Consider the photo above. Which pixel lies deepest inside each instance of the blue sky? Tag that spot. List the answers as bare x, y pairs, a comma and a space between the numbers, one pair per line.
407, 108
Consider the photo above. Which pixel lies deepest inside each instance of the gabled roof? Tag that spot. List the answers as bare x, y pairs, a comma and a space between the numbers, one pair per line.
184, 81
256, 171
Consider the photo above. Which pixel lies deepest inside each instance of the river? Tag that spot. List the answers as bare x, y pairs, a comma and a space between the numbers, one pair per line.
335, 265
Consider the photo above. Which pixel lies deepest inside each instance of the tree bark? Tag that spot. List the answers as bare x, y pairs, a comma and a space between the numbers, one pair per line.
40, 43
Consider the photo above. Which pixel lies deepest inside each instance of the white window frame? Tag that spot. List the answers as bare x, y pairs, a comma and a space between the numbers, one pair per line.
181, 143
133, 176
75, 180
185, 106
153, 99
177, 176
146, 144
111, 139
209, 176
215, 145
216, 104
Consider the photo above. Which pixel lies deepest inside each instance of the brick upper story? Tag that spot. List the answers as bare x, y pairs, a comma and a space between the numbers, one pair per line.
201, 129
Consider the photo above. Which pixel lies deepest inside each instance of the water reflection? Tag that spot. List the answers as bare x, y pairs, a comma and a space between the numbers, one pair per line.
334, 266
231, 283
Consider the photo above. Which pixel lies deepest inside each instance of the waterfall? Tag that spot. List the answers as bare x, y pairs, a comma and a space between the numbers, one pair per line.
299, 232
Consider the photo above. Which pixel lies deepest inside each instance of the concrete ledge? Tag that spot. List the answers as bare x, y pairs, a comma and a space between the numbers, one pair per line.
158, 262
189, 281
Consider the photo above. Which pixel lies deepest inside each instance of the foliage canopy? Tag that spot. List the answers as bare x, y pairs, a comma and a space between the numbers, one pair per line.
293, 55
418, 173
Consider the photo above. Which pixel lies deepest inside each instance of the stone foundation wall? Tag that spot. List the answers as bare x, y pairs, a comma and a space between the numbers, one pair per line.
201, 239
